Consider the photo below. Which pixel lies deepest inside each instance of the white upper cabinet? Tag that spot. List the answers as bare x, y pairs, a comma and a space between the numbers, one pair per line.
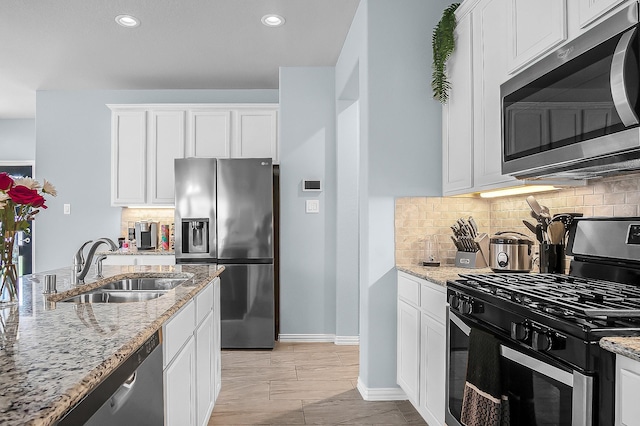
457, 115
590, 10
256, 134
490, 64
146, 139
128, 157
166, 139
534, 28
210, 133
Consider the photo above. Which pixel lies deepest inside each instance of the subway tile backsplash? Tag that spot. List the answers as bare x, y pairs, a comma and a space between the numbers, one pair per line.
417, 217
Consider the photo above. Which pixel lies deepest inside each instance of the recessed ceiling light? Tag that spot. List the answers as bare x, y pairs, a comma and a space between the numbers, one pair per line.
273, 20
128, 21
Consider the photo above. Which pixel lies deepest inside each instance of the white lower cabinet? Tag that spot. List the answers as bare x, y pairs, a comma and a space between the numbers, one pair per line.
191, 359
205, 384
421, 346
433, 336
180, 392
627, 391
409, 350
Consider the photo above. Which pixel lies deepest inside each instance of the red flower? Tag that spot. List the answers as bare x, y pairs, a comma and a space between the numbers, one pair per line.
5, 181
22, 195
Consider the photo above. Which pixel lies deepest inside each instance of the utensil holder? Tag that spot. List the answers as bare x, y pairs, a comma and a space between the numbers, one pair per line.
469, 259
552, 258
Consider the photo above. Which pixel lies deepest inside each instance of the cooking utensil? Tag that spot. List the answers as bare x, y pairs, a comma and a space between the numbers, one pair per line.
530, 226
542, 213
539, 233
556, 232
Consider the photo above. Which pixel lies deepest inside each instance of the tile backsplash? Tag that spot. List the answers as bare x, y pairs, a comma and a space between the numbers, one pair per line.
131, 215
418, 217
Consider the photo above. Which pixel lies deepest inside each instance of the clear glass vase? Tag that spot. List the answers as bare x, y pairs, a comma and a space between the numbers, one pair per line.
8, 271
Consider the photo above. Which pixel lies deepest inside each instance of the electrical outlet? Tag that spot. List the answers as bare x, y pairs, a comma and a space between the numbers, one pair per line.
67, 209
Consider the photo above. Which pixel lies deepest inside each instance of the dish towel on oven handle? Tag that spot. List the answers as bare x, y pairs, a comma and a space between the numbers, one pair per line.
483, 403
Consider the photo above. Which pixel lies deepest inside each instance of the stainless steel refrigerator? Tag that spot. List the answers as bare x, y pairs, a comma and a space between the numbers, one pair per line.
224, 215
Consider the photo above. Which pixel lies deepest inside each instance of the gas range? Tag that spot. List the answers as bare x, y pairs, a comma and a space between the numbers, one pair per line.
557, 315
554, 322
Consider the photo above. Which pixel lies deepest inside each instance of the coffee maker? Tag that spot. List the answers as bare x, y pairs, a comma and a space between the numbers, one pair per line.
146, 235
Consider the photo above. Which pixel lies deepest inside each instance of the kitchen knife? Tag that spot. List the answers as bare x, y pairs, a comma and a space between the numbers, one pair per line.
456, 243
474, 226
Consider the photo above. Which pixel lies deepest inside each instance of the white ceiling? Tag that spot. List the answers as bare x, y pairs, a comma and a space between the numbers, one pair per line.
180, 44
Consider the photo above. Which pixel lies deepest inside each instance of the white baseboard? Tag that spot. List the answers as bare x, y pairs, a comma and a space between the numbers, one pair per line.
381, 394
307, 337
347, 340
338, 340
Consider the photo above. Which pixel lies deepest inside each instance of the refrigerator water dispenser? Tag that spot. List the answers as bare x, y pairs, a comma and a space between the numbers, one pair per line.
197, 236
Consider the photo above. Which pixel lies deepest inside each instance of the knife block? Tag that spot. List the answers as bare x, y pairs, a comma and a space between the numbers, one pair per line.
471, 260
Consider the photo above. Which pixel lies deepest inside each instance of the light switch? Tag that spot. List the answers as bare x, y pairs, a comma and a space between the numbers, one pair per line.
67, 209
313, 206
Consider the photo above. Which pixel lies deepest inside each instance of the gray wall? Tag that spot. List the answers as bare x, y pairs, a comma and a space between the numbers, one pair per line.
73, 151
389, 44
307, 241
18, 139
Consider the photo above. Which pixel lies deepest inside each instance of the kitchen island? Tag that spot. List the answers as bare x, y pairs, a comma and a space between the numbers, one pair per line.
53, 353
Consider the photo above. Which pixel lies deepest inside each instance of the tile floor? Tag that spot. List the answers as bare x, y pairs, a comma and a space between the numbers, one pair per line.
298, 384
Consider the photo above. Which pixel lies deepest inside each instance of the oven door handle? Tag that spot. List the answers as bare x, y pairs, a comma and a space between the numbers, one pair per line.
618, 82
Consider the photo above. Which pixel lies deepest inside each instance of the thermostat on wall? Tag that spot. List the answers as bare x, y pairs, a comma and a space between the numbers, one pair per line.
311, 185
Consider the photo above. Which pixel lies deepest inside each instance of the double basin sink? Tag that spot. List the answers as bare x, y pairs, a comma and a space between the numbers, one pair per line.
128, 290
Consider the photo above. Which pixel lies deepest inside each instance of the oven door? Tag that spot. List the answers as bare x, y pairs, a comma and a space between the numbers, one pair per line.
539, 393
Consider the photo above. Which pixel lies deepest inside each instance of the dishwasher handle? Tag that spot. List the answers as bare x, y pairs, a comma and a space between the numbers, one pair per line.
120, 397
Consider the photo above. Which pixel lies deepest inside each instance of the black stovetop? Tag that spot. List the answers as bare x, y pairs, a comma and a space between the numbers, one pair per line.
584, 303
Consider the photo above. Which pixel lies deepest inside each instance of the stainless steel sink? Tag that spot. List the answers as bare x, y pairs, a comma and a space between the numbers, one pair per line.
128, 290
143, 284
114, 296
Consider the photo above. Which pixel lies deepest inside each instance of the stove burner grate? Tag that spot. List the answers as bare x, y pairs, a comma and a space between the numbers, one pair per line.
562, 294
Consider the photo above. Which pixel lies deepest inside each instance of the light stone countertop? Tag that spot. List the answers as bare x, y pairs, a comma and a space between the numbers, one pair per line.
53, 354
627, 346
440, 274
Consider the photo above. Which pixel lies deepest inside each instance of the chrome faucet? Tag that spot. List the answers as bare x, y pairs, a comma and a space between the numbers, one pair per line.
80, 266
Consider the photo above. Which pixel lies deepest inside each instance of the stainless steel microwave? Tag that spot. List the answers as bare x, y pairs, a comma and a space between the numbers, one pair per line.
575, 113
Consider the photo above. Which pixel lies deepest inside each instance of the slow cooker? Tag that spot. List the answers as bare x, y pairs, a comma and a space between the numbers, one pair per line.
510, 251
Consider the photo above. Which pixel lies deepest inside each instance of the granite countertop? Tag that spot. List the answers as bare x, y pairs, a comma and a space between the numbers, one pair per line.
627, 346
440, 274
52, 354
135, 252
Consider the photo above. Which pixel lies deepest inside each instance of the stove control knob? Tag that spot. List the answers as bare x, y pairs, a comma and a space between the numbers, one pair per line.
519, 331
466, 307
471, 306
541, 341
454, 301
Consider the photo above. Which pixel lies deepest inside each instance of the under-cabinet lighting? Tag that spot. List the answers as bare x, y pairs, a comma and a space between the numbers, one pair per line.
518, 190
148, 207
128, 21
273, 20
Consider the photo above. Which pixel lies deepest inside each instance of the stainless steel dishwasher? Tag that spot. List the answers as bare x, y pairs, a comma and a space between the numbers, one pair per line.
131, 395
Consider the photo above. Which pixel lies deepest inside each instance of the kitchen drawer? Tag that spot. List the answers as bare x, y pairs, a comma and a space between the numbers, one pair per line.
409, 289
433, 300
204, 303
178, 330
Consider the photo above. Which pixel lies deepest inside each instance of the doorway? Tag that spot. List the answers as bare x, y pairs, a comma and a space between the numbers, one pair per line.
23, 256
